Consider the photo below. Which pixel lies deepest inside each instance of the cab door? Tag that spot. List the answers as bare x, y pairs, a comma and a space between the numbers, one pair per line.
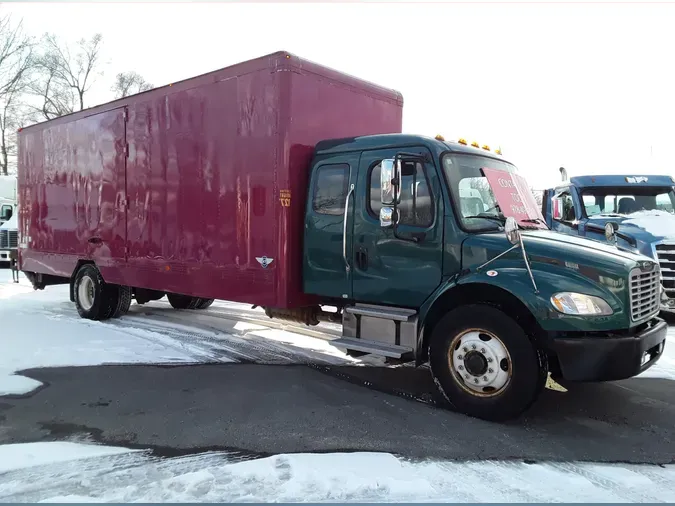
402, 269
329, 222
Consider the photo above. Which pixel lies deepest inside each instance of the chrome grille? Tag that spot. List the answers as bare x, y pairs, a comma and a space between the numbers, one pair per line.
9, 239
665, 254
645, 294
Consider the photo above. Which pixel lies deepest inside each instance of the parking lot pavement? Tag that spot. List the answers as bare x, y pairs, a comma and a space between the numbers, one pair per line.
267, 409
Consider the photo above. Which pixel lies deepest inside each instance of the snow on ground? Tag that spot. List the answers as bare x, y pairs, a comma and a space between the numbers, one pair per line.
90, 473
42, 329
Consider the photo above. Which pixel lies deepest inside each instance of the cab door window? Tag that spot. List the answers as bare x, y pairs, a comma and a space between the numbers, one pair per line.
6, 212
568, 211
416, 205
330, 189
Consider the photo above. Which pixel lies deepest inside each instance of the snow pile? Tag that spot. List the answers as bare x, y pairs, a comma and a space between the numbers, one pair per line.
100, 474
31, 338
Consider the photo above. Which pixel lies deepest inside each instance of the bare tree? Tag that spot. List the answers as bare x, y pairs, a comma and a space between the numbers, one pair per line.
16, 63
16, 55
129, 83
64, 76
14, 114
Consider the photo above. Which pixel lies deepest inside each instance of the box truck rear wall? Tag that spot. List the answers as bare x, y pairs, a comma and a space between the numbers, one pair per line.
188, 188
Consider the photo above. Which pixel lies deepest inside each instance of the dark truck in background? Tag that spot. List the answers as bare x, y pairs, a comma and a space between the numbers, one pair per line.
287, 185
634, 213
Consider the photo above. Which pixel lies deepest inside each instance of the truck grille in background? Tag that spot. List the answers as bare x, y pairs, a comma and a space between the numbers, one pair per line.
665, 254
645, 297
9, 239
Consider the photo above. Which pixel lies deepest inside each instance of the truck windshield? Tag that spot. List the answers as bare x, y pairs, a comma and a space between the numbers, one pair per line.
620, 200
471, 190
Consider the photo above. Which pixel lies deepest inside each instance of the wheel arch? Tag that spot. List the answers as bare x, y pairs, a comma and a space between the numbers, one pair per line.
475, 293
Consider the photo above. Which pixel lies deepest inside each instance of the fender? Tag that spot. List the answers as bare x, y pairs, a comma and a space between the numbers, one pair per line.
510, 284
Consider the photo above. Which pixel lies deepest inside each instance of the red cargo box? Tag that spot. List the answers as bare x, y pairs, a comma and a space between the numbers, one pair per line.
189, 187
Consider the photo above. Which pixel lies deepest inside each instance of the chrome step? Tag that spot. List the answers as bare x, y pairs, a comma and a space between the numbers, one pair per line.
374, 347
386, 313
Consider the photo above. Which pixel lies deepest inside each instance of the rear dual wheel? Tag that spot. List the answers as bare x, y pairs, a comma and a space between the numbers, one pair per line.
485, 364
178, 301
97, 300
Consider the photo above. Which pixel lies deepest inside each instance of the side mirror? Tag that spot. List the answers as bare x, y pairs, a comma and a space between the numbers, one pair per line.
511, 230
556, 208
390, 171
610, 231
386, 217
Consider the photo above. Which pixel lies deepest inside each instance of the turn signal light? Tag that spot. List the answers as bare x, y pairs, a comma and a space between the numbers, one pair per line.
486, 147
475, 144
462, 141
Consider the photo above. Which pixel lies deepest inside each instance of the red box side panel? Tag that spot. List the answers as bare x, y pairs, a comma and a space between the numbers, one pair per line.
201, 174
71, 191
199, 196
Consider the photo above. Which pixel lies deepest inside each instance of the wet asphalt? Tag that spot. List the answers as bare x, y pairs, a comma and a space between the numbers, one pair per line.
260, 410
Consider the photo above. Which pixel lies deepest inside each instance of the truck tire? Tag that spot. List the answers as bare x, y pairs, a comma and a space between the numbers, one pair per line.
94, 298
123, 301
204, 303
484, 363
179, 301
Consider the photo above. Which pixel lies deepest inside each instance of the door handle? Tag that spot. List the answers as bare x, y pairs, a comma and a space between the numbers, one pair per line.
362, 259
344, 228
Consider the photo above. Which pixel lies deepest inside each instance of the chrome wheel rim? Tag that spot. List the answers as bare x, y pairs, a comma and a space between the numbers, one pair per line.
85, 293
480, 363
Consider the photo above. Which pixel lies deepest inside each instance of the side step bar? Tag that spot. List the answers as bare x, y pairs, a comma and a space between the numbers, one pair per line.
374, 347
395, 314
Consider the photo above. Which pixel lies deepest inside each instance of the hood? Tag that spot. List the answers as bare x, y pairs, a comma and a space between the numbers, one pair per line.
646, 226
556, 249
574, 245
12, 223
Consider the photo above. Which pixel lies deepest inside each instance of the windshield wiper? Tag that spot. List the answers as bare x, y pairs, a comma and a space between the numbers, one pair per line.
534, 220
500, 219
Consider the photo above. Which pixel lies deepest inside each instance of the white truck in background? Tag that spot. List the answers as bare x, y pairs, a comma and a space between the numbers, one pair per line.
9, 232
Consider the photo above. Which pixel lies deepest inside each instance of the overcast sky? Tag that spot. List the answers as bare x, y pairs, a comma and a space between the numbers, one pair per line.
589, 87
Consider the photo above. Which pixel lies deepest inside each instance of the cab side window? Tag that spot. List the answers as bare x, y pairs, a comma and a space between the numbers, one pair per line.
6, 212
330, 189
568, 213
416, 207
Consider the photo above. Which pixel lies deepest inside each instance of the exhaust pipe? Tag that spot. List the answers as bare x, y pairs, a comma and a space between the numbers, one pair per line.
563, 173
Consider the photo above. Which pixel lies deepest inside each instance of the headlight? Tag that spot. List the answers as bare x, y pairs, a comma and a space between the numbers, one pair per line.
580, 304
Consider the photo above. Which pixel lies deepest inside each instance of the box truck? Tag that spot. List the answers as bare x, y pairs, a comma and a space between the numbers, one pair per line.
287, 185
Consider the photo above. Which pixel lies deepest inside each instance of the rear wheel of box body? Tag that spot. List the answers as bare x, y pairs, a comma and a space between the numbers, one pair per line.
179, 301
94, 298
204, 303
123, 301
484, 363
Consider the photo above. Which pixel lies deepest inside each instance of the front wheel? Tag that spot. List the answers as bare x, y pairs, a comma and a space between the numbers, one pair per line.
484, 363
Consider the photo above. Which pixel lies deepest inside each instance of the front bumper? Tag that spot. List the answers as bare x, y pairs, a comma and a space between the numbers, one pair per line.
611, 357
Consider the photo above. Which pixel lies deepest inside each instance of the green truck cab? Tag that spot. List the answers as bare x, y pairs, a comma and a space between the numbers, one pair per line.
433, 252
